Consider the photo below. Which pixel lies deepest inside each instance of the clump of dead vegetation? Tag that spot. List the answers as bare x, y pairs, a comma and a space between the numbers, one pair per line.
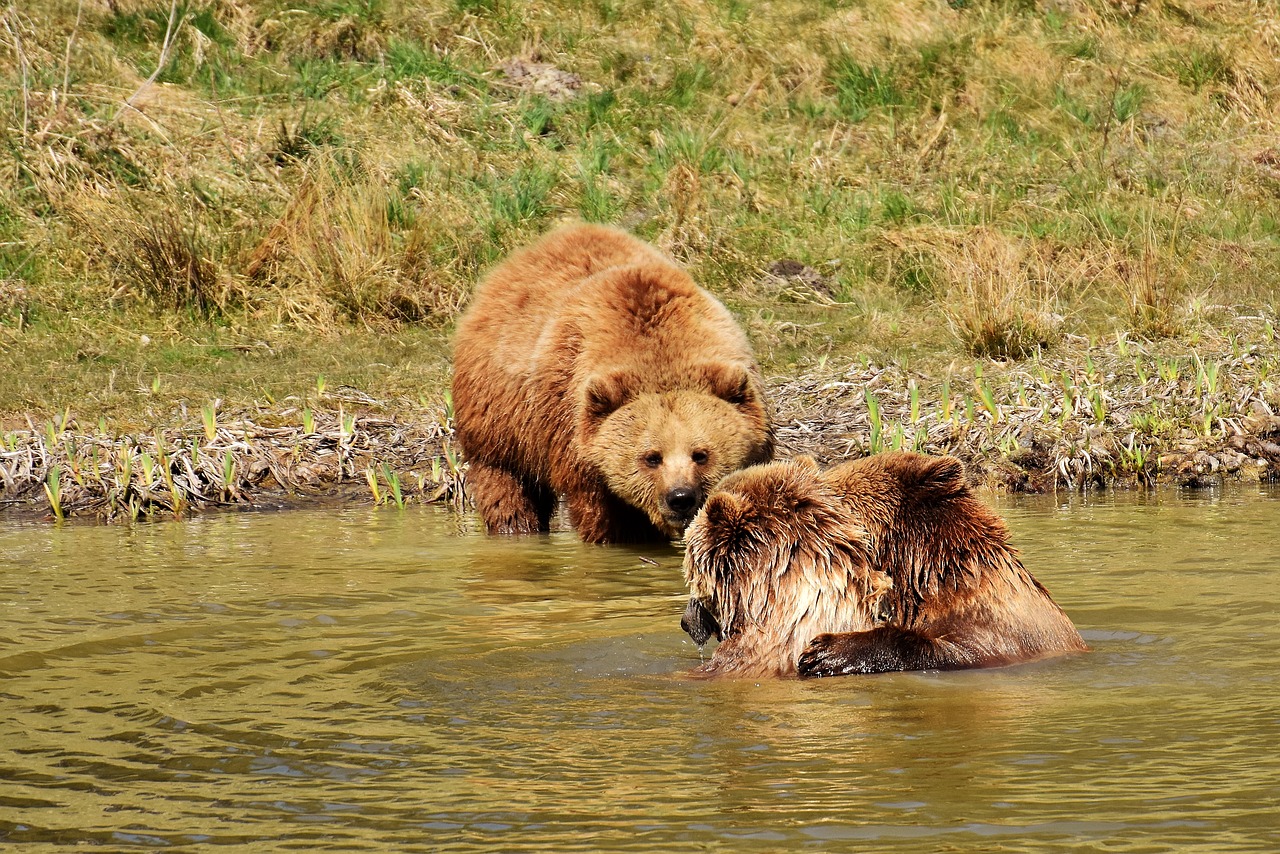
998, 294
1154, 294
168, 263
333, 256
336, 443
1122, 413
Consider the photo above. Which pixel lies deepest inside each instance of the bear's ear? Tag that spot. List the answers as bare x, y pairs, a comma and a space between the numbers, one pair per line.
723, 509
606, 394
730, 383
939, 476
724, 523
727, 518
806, 462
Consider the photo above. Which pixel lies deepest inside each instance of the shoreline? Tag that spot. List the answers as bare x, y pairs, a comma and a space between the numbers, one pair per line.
342, 445
1107, 418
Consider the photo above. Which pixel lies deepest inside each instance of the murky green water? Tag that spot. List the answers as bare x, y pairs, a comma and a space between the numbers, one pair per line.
372, 680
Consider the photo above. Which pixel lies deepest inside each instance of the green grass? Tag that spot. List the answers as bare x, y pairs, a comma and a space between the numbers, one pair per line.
144, 368
344, 171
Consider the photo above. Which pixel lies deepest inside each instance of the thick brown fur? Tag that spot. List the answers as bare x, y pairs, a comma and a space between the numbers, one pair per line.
947, 589
772, 560
589, 366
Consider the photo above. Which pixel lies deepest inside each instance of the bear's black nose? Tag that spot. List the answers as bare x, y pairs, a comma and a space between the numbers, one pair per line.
682, 499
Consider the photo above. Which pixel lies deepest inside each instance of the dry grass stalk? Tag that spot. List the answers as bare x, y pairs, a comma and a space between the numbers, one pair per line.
172, 27
1152, 292
685, 233
170, 264
13, 26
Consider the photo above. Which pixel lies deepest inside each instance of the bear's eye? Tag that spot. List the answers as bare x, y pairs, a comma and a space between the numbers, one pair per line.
653, 459
699, 458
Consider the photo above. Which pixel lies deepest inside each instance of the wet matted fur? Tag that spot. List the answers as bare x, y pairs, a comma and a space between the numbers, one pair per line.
885, 563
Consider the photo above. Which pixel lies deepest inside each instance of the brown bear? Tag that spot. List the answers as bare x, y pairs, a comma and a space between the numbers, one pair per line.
885, 563
589, 366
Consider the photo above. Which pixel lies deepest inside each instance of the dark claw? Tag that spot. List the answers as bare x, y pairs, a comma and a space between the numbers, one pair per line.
818, 660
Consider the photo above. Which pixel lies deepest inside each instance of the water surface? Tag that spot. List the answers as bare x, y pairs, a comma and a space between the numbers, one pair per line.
381, 680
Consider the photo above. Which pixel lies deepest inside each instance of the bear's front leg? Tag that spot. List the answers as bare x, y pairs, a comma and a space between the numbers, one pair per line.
880, 650
506, 504
599, 516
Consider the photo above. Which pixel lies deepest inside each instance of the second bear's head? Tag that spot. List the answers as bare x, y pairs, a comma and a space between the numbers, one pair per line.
662, 450
774, 559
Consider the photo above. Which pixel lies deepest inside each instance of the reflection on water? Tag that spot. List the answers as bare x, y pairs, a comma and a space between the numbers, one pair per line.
375, 680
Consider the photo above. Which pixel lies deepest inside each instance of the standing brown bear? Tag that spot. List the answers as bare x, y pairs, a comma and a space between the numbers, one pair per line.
590, 366
886, 563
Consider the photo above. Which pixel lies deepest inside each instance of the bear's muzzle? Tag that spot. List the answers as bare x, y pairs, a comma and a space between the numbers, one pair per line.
680, 505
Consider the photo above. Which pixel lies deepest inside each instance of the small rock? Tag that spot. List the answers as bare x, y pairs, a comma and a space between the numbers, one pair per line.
1198, 481
542, 78
790, 270
1262, 424
1232, 460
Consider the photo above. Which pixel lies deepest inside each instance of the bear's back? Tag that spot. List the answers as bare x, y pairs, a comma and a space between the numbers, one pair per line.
955, 569
537, 281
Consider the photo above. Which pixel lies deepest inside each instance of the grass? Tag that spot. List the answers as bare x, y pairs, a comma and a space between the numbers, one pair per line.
314, 191
144, 370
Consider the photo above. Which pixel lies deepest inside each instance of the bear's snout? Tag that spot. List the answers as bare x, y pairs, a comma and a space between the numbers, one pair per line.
698, 623
682, 501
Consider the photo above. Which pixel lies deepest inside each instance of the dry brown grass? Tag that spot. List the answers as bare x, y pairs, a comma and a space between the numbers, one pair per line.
1153, 292
169, 262
686, 213
333, 256
996, 292
153, 253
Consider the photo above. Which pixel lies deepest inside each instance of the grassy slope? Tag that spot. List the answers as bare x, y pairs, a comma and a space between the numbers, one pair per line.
328, 181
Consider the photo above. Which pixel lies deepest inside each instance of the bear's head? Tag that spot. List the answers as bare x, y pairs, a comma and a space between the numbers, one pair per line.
662, 451
772, 560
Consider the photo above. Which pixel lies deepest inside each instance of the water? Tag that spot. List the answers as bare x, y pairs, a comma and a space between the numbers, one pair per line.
377, 680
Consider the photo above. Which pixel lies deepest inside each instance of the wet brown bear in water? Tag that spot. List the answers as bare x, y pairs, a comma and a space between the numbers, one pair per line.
591, 367
886, 563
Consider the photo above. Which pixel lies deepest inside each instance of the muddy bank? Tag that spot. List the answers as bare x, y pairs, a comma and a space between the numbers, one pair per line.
1106, 418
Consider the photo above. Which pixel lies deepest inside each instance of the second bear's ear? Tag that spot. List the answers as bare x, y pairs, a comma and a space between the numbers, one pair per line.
941, 475
730, 383
806, 462
606, 394
724, 511
724, 505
